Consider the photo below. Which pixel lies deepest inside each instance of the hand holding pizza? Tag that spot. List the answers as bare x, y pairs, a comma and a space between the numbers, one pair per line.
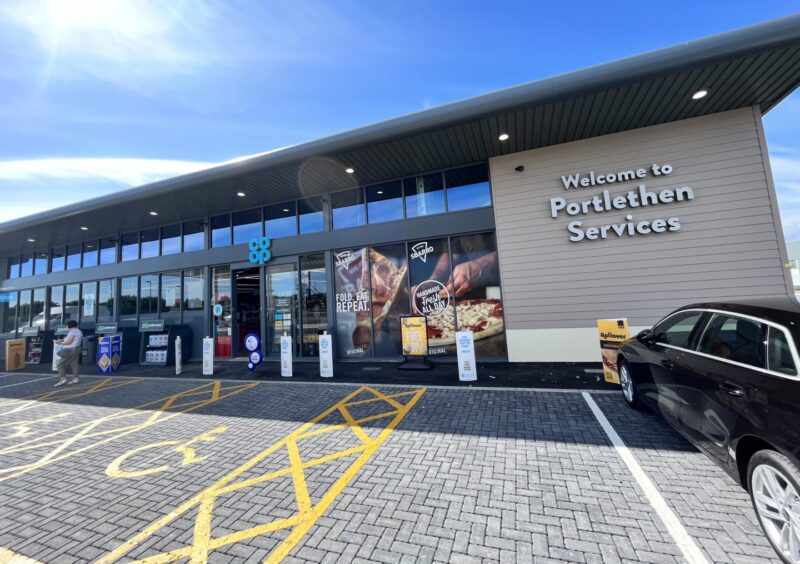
468, 275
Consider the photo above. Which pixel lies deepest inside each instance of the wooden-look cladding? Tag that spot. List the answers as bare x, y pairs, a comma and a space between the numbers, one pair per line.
728, 246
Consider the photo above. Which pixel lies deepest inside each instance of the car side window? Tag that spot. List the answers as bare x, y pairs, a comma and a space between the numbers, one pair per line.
735, 338
779, 353
677, 330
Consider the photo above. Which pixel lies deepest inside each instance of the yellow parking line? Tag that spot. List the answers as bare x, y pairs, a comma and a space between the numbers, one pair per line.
307, 512
63, 394
60, 443
9, 557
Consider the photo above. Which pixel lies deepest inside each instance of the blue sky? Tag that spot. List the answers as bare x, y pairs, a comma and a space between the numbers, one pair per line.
100, 95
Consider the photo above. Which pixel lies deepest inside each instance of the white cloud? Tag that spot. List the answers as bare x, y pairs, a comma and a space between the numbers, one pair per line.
35, 185
786, 171
128, 172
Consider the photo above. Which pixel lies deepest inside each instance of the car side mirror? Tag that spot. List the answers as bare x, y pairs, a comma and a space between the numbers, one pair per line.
647, 337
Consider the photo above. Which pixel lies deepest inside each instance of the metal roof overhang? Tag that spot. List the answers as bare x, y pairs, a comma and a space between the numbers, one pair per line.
754, 66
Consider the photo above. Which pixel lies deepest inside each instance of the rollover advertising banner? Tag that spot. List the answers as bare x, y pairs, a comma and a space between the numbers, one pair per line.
15, 354
414, 330
286, 356
612, 333
326, 356
208, 356
465, 350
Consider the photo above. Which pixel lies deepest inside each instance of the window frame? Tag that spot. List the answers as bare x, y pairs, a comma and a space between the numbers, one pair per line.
768, 323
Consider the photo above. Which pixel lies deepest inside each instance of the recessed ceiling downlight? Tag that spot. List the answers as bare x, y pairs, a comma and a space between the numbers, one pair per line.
699, 94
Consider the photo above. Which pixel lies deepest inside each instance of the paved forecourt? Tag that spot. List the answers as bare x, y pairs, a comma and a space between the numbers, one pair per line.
122, 469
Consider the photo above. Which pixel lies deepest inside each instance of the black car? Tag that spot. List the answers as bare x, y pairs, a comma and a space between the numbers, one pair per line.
725, 375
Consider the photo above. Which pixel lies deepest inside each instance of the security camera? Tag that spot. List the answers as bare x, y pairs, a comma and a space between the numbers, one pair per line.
519, 168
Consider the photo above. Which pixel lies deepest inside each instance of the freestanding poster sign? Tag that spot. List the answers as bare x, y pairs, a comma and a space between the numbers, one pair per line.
108, 353
286, 356
208, 356
465, 349
414, 340
252, 344
612, 333
326, 355
15, 354
178, 356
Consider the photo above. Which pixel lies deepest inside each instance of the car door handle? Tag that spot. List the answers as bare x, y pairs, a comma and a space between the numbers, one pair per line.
667, 363
732, 389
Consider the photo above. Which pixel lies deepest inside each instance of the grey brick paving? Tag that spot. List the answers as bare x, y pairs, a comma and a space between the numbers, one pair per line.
468, 476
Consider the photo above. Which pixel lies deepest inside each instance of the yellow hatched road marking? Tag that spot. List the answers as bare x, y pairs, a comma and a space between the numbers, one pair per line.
60, 443
307, 512
62, 394
9, 557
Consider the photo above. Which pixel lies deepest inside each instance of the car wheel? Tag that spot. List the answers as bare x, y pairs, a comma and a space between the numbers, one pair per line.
630, 391
774, 484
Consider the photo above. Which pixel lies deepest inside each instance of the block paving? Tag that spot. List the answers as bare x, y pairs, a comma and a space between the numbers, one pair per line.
448, 475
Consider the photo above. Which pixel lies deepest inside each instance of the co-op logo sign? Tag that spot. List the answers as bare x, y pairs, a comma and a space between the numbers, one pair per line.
259, 250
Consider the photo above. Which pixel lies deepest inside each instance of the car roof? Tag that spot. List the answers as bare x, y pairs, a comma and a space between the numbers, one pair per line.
780, 309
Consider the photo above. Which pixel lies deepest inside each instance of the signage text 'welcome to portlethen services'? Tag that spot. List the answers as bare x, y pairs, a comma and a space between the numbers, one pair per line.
608, 201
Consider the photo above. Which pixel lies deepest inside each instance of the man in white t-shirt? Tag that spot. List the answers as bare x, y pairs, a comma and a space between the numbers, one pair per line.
70, 353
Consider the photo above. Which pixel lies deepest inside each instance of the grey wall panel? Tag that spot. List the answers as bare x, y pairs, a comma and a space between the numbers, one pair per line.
728, 245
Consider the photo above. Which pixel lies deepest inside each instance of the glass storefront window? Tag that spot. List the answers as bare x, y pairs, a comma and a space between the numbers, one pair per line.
223, 316
194, 292
128, 301
59, 262
431, 292
282, 306
8, 314
314, 301
348, 208
390, 300
130, 247
108, 251
74, 256
353, 309
40, 263
72, 303
148, 296
13, 267
280, 220
171, 296
88, 305
37, 308
171, 240
221, 231
384, 202
194, 237
149, 243
424, 195
56, 307
24, 311
90, 254
246, 226
468, 188
26, 267
476, 284
310, 215
105, 301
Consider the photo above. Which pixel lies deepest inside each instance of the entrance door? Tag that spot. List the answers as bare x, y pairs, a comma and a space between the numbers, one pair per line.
282, 302
247, 304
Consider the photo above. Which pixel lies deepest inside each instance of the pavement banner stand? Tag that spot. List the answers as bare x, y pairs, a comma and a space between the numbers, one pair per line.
465, 349
326, 355
286, 356
208, 356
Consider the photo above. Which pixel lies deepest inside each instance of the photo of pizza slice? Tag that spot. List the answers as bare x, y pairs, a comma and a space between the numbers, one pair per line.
387, 280
483, 317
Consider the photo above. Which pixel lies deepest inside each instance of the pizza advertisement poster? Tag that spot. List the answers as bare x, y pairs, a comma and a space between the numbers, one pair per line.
15, 354
389, 284
353, 303
414, 335
612, 332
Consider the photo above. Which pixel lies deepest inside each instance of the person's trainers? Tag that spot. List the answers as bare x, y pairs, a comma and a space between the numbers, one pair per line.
59, 383
75, 381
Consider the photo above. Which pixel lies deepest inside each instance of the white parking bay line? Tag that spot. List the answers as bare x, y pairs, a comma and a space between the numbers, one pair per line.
26, 382
685, 542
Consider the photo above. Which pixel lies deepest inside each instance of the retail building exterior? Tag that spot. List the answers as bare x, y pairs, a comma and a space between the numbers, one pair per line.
525, 215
